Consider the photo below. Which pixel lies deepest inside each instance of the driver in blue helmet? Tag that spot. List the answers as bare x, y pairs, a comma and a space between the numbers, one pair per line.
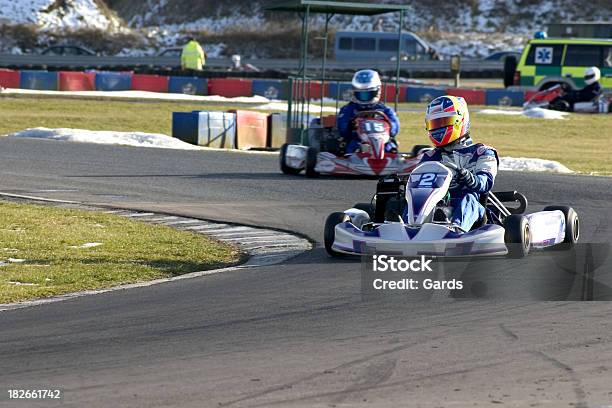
366, 91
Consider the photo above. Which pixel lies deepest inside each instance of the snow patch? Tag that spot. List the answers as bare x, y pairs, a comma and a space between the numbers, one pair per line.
530, 113
17, 283
10, 261
544, 113
282, 106
86, 245
144, 95
500, 112
532, 164
51, 14
138, 139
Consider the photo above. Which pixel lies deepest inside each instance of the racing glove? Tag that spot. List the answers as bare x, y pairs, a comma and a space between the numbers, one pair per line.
467, 178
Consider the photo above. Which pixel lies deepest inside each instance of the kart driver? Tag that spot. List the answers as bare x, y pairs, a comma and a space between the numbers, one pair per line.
366, 91
447, 121
589, 93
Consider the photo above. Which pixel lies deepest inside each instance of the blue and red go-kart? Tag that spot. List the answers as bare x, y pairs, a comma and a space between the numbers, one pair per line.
422, 198
326, 155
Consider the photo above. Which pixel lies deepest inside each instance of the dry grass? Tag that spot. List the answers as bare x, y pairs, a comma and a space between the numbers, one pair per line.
41, 253
30, 37
276, 40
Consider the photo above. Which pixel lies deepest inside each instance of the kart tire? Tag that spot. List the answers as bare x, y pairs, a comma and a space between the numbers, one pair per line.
560, 105
283, 163
311, 162
417, 148
329, 235
572, 224
517, 236
367, 207
510, 64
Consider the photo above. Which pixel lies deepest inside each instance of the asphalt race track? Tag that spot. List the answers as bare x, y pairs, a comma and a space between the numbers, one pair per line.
300, 334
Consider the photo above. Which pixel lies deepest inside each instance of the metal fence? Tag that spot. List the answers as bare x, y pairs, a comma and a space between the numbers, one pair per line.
32, 61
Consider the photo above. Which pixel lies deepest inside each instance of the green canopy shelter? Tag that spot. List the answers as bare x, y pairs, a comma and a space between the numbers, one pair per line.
305, 8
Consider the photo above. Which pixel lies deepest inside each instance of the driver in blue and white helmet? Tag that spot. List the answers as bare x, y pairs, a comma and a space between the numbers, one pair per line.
366, 92
591, 92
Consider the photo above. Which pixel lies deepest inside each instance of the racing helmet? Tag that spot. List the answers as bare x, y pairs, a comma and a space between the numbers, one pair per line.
447, 119
591, 75
366, 87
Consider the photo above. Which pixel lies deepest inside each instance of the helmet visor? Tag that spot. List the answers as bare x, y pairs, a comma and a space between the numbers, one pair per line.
589, 77
365, 96
438, 123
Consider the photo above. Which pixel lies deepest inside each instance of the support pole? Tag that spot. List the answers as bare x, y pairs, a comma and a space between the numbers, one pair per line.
305, 41
399, 54
289, 106
328, 17
305, 33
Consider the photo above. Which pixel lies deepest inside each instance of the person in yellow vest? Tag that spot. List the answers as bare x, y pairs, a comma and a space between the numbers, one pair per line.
193, 56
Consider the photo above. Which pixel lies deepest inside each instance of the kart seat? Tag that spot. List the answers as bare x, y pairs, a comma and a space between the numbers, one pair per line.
442, 214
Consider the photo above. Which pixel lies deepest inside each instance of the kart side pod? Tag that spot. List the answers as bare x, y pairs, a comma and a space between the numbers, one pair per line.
547, 228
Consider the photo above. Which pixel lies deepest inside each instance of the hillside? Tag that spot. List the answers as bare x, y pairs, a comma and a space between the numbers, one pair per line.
470, 27
460, 15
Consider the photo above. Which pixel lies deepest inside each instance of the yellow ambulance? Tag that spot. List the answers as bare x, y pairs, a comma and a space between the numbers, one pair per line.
549, 61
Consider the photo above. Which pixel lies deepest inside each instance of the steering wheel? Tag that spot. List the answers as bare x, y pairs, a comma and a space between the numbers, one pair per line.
373, 114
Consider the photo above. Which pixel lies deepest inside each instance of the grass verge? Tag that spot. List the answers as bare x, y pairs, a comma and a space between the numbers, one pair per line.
578, 142
42, 251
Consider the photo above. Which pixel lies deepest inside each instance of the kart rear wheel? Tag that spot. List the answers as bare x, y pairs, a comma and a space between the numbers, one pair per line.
283, 161
329, 235
517, 236
572, 224
560, 105
311, 162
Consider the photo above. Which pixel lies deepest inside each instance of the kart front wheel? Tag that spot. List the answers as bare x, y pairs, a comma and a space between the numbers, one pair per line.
517, 236
572, 224
311, 162
329, 235
283, 161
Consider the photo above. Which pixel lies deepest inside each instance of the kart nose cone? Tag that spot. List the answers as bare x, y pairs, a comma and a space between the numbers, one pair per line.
377, 165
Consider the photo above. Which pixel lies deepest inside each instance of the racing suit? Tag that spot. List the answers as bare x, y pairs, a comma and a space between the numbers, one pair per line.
482, 162
347, 131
